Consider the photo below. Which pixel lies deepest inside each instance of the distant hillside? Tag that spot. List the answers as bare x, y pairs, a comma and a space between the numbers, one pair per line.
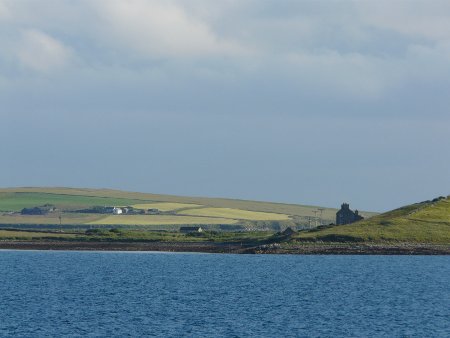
425, 222
73, 208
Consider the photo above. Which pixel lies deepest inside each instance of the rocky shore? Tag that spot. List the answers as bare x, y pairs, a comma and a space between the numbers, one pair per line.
356, 249
206, 247
210, 247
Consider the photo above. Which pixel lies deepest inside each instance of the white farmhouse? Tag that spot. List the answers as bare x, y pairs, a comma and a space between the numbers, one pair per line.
117, 211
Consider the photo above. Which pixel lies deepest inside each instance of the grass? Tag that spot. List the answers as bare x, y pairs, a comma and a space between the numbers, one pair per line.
297, 210
436, 212
165, 206
138, 235
235, 214
16, 201
160, 220
427, 222
214, 211
53, 218
14, 234
121, 234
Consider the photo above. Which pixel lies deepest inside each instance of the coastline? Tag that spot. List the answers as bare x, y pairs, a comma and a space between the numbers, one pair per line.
233, 248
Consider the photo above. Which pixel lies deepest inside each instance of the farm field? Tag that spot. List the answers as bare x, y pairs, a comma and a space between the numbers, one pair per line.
235, 214
165, 206
84, 219
144, 198
76, 207
159, 220
16, 201
66, 218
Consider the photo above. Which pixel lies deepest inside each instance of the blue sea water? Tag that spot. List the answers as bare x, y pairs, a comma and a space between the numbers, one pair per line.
123, 294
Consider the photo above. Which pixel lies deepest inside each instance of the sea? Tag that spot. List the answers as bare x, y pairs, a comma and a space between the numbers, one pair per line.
136, 294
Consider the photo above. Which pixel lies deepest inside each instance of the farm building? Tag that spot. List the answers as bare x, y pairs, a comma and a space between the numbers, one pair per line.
117, 211
346, 215
288, 232
43, 210
187, 230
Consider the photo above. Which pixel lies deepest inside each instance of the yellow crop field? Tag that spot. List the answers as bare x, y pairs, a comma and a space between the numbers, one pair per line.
160, 220
235, 214
75, 197
165, 206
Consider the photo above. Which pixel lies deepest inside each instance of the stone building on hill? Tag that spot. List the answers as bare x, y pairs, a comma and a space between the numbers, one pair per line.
346, 215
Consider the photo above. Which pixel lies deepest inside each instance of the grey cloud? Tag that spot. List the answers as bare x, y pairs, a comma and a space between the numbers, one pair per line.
327, 48
271, 100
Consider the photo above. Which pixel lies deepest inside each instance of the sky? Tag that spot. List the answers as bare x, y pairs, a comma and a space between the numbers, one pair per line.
308, 102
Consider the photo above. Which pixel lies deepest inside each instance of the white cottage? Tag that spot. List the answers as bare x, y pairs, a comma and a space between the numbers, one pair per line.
117, 211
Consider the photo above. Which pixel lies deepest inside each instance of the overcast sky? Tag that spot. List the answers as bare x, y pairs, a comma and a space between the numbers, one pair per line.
309, 102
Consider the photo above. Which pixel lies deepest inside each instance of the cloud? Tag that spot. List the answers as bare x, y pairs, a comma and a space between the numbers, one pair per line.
4, 12
40, 52
240, 81
413, 18
340, 74
249, 52
159, 29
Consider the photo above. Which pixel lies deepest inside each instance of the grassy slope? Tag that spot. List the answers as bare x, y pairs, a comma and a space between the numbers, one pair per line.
123, 197
426, 222
28, 235
53, 218
159, 219
235, 214
165, 206
16, 201
136, 235
140, 198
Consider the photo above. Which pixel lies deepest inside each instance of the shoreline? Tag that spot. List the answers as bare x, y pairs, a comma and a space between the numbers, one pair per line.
233, 248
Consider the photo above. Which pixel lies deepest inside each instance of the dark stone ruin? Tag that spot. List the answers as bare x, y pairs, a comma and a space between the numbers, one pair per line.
346, 215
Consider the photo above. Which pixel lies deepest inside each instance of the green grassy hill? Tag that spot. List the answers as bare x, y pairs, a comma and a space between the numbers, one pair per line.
425, 222
214, 213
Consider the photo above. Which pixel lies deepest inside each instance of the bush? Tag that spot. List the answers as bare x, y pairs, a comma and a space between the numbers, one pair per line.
195, 234
97, 232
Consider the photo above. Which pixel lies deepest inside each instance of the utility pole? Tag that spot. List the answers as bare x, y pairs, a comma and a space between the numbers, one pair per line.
321, 211
315, 215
